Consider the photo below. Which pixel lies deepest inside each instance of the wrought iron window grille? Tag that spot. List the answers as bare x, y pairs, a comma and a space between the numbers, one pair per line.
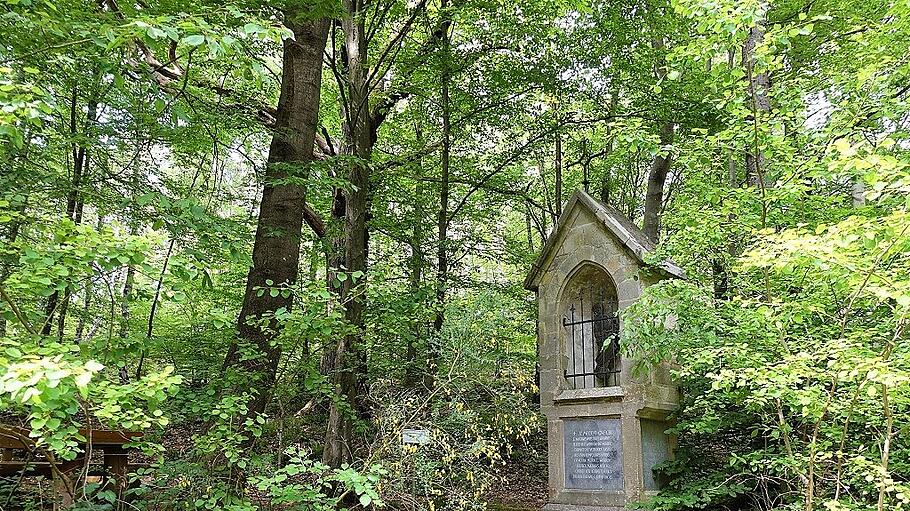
597, 337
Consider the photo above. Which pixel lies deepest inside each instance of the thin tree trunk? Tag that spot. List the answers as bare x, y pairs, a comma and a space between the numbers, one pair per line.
558, 165
125, 301
276, 247
719, 265
349, 351
6, 267
759, 87
74, 204
547, 200
657, 179
86, 309
442, 218
660, 166
530, 233
154, 308
129, 277
606, 186
416, 264
87, 301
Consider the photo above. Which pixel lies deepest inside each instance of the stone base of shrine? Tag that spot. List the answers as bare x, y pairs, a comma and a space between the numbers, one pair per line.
573, 507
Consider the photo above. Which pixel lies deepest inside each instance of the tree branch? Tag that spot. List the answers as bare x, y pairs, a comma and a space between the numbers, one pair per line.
16, 311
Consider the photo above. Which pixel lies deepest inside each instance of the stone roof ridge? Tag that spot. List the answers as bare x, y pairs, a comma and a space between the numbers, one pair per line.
633, 238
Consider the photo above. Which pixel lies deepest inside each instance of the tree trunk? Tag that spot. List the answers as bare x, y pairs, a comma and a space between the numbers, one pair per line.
150, 324
6, 267
719, 264
87, 299
334, 262
442, 218
349, 352
657, 178
74, 205
416, 266
558, 165
858, 192
759, 87
660, 166
125, 301
360, 130
276, 248
606, 184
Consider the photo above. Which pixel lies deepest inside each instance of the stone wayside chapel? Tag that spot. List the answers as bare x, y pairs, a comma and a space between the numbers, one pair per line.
605, 426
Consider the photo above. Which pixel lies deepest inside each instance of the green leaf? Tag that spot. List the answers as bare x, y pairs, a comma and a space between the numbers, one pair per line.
252, 28
194, 40
83, 379
94, 366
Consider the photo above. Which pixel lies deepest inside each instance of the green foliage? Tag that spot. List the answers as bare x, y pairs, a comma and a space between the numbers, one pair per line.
133, 138
315, 482
21, 104
805, 367
52, 384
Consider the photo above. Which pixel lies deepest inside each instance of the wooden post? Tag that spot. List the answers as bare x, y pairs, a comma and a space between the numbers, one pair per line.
117, 462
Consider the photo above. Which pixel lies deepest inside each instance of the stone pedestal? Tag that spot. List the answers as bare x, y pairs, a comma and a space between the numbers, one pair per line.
602, 447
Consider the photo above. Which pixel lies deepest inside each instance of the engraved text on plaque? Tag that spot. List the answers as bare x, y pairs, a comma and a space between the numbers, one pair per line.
593, 454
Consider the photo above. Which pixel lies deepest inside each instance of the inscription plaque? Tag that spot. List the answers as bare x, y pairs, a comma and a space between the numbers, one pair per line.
593, 454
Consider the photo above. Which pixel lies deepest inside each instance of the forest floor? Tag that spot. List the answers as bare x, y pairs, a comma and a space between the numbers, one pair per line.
523, 483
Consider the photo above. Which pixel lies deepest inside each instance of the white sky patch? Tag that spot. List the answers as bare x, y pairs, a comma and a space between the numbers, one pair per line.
818, 110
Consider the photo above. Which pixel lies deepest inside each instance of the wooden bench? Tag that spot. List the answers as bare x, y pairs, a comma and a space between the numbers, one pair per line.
110, 443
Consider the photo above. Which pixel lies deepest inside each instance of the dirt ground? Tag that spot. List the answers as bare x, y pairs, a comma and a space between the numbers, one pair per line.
524, 484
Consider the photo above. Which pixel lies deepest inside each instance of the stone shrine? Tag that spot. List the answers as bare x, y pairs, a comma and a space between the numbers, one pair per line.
605, 426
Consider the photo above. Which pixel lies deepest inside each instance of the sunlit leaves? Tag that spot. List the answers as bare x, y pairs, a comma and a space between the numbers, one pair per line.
52, 384
72, 252
23, 106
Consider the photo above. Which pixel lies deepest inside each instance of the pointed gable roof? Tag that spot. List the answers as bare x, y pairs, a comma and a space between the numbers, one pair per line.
626, 232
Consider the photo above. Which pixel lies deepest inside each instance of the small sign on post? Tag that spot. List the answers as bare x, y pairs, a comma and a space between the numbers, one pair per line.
415, 436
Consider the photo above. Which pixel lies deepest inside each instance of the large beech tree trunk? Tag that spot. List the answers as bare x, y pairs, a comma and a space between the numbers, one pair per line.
276, 249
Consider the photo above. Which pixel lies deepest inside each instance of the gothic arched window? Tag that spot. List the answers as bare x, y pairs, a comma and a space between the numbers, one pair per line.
591, 329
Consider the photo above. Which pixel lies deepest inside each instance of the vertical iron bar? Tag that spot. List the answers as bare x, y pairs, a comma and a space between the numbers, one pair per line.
584, 365
574, 371
597, 352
